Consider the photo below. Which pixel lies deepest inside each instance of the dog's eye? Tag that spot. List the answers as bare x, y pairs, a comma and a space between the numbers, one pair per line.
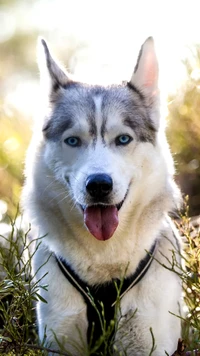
73, 141
123, 140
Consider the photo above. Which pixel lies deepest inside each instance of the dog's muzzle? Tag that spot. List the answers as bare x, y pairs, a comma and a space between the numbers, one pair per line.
101, 215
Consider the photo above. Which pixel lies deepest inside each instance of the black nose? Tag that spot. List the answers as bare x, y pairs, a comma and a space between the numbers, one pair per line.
99, 185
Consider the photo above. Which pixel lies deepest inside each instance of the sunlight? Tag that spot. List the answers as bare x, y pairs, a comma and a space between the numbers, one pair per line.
111, 33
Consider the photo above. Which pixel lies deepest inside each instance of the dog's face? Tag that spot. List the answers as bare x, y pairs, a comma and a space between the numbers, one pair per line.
99, 141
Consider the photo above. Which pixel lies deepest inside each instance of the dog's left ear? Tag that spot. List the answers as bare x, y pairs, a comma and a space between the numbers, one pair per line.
51, 73
145, 76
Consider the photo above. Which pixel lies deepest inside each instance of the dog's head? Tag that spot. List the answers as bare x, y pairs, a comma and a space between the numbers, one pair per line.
101, 143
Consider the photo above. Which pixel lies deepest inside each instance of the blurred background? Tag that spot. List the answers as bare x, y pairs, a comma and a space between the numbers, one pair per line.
99, 41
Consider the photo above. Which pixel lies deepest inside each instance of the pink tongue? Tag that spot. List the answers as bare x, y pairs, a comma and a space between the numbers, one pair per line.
101, 221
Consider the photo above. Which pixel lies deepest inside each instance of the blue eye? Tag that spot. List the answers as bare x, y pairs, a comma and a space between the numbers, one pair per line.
73, 141
123, 140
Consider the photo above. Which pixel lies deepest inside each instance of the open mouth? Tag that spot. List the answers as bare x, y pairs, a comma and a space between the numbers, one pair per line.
103, 206
102, 220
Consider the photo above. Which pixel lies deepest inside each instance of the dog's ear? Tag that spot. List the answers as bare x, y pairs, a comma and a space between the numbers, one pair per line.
52, 74
145, 76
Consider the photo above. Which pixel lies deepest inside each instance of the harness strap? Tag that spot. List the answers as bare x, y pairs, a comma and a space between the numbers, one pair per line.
106, 293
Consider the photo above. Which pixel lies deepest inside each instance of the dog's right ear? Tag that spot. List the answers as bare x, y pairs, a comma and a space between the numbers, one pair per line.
145, 76
52, 74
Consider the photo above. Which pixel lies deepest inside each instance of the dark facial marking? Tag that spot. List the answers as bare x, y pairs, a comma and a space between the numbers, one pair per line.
103, 129
56, 86
71, 85
99, 91
67, 179
144, 128
91, 117
53, 129
136, 90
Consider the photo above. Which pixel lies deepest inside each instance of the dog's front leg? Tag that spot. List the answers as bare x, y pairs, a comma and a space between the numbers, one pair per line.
62, 320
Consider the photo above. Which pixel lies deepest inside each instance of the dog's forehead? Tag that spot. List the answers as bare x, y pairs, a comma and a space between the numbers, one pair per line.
96, 106
87, 98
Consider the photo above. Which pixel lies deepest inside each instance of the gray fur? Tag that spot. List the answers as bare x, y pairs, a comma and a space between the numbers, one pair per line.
77, 99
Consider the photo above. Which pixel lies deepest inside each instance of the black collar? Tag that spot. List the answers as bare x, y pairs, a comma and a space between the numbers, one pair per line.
107, 293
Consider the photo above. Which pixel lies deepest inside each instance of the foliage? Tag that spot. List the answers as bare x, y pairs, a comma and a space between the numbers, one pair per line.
191, 280
14, 138
184, 130
19, 292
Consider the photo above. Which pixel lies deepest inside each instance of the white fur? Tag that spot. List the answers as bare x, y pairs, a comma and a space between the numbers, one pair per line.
52, 207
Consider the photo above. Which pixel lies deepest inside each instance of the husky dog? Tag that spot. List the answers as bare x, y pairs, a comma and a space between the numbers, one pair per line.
99, 187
